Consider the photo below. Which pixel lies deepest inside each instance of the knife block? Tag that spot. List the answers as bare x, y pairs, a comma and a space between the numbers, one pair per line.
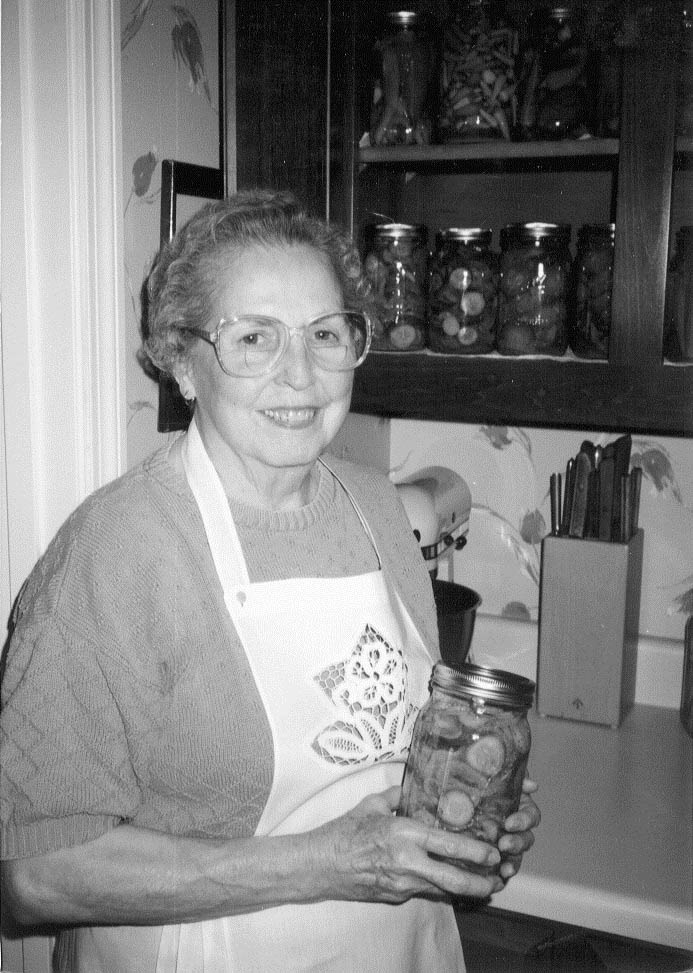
589, 611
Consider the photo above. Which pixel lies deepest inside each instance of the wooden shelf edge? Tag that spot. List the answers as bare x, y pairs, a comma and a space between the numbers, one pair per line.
470, 151
549, 393
480, 151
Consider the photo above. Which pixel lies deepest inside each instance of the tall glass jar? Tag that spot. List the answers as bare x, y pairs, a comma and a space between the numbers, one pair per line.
469, 751
684, 102
477, 87
395, 267
534, 289
593, 274
555, 86
401, 111
462, 292
678, 304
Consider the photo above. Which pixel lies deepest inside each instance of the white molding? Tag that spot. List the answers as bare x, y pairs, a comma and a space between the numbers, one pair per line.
63, 344
95, 145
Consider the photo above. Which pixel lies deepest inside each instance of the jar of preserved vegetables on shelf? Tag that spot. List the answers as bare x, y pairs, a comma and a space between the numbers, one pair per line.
684, 100
395, 266
462, 292
401, 112
593, 274
678, 304
556, 101
533, 295
469, 751
477, 83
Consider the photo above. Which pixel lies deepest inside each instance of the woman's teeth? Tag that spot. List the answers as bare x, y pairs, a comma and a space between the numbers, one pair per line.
290, 417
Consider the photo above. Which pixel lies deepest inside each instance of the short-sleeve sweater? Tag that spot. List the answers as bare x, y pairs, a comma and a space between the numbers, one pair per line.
127, 695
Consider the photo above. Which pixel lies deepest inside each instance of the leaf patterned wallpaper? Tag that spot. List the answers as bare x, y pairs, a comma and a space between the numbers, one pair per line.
508, 469
170, 110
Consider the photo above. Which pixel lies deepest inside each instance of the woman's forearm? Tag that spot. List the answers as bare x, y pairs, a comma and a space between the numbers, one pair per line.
132, 876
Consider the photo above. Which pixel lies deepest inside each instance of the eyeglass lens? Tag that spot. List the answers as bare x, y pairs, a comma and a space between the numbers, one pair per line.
334, 341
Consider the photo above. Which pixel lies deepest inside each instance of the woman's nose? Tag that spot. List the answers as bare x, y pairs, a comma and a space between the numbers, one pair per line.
296, 364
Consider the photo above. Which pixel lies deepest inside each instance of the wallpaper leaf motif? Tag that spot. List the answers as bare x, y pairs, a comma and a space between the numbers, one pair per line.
134, 23
187, 48
500, 437
142, 172
659, 470
657, 467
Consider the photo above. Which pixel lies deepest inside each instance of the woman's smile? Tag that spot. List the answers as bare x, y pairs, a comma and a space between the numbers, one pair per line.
294, 418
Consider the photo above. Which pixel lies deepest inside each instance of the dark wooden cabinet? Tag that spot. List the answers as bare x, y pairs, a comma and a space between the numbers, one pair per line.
302, 92
637, 389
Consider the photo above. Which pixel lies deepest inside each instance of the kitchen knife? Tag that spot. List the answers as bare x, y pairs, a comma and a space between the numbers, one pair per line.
567, 496
606, 494
636, 482
592, 516
622, 447
578, 512
555, 499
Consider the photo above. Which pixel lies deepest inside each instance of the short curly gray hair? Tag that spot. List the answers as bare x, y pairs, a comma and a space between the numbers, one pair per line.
184, 280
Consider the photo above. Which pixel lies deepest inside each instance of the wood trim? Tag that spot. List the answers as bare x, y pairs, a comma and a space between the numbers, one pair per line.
561, 394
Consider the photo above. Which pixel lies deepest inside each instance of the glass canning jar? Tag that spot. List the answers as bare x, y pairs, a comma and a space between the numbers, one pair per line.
395, 267
593, 273
469, 751
533, 296
555, 79
477, 79
400, 111
678, 304
462, 292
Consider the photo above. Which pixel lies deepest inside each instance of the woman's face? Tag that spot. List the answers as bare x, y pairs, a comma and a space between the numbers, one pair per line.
266, 426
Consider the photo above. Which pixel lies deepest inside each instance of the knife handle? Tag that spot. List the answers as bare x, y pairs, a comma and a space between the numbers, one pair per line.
568, 488
606, 497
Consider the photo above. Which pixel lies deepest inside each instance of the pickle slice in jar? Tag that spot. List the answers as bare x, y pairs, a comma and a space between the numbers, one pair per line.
472, 303
450, 325
486, 755
455, 809
467, 335
402, 336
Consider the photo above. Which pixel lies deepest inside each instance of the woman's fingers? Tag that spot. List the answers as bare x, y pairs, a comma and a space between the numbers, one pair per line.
526, 818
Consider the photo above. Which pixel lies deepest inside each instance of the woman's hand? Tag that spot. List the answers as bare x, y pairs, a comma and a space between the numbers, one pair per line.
518, 836
371, 855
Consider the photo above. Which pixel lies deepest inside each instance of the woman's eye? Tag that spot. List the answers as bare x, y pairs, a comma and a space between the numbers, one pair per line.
255, 336
250, 339
323, 336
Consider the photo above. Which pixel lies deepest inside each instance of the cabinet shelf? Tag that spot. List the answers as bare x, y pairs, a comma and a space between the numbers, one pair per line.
571, 149
487, 151
634, 390
547, 392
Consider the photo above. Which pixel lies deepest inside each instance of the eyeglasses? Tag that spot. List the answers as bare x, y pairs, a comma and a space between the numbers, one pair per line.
254, 344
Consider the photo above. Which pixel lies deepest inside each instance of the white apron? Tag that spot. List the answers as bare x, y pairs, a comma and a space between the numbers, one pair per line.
342, 672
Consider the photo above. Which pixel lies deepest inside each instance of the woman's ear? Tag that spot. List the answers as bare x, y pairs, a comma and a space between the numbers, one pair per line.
185, 383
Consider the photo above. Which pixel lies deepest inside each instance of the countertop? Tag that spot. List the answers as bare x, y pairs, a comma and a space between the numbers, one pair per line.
614, 851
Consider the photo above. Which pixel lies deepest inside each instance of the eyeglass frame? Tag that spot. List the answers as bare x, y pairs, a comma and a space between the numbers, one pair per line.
212, 338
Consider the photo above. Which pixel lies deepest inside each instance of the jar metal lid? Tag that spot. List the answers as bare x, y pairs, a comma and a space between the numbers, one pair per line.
536, 233
396, 231
481, 682
403, 18
466, 234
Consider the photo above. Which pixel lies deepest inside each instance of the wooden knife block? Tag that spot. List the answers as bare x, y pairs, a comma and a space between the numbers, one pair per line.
589, 612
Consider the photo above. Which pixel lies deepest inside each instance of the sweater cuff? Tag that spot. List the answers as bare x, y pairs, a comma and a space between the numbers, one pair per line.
41, 837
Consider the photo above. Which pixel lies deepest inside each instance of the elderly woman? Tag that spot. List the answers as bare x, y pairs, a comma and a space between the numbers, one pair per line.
215, 668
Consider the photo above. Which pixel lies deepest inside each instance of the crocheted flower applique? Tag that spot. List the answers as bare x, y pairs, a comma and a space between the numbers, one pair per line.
369, 689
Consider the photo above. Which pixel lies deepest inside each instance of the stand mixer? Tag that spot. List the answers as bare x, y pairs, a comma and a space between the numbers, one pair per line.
437, 502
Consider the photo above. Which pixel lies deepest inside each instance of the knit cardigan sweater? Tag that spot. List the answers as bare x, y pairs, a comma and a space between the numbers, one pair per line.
127, 696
